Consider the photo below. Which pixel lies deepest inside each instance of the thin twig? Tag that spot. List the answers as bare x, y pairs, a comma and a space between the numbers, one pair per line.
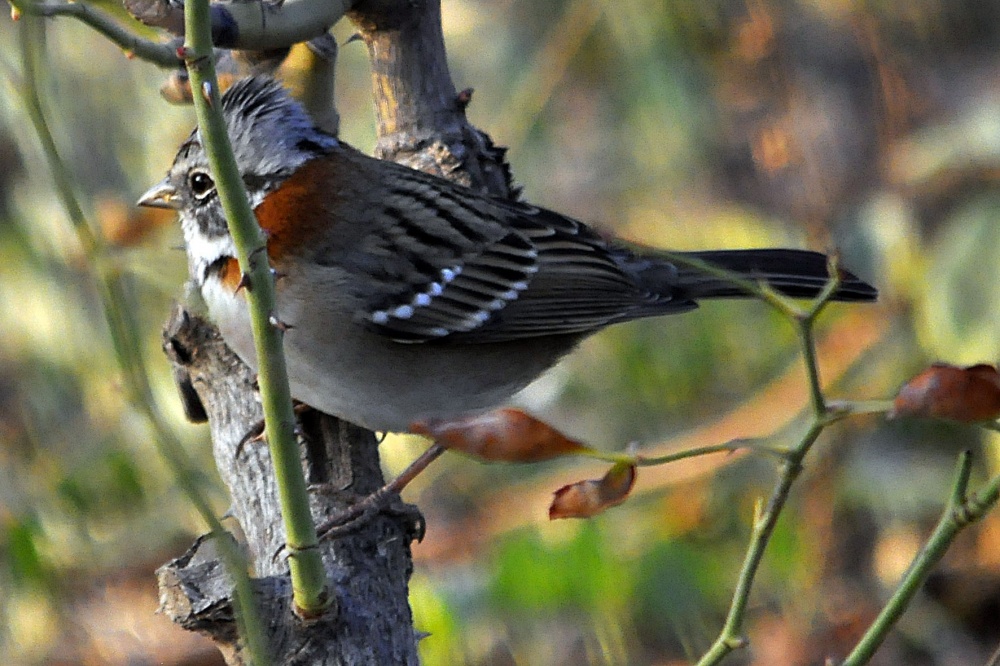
256, 26
958, 513
727, 447
751, 287
164, 55
858, 407
731, 638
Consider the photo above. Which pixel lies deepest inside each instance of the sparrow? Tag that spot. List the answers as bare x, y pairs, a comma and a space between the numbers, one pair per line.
407, 297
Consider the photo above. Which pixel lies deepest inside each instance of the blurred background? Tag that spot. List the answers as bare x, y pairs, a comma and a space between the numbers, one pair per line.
872, 128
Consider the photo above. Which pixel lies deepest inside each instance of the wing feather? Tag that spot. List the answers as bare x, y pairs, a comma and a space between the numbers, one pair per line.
487, 270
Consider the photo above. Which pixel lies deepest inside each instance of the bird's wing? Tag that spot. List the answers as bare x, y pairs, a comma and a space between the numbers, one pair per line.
443, 263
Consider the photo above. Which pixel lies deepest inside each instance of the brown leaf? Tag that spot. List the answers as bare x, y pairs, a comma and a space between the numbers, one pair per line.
943, 391
584, 499
504, 435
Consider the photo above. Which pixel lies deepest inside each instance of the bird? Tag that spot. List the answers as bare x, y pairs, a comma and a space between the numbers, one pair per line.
406, 297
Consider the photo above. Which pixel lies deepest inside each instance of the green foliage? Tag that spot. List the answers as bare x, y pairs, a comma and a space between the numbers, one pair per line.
534, 577
25, 566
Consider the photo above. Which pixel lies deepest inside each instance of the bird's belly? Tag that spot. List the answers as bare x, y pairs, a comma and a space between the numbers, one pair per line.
341, 368
387, 386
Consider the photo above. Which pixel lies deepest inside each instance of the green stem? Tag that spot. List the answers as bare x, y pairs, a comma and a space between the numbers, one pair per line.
127, 348
816, 398
729, 447
845, 408
750, 286
163, 55
308, 576
959, 513
805, 326
731, 638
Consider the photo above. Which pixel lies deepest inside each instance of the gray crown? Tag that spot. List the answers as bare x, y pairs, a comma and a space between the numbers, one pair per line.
270, 132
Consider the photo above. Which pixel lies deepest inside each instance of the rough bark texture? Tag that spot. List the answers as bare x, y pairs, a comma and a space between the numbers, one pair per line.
368, 568
421, 123
421, 118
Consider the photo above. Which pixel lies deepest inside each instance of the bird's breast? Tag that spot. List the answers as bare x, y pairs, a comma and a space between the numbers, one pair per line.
228, 308
226, 272
301, 211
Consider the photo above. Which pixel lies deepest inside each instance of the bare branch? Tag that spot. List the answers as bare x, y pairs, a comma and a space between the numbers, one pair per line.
164, 55
257, 26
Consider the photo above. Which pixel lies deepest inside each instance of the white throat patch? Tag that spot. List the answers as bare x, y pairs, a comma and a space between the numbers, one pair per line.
202, 250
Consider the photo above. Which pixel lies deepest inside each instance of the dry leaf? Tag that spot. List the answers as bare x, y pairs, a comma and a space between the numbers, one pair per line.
584, 499
504, 435
943, 391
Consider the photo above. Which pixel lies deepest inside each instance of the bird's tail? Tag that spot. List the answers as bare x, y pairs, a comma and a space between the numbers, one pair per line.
795, 273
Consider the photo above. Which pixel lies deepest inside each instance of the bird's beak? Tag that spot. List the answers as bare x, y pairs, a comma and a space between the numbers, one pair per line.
161, 195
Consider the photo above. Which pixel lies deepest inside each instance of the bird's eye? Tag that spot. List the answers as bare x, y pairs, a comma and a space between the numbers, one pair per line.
201, 184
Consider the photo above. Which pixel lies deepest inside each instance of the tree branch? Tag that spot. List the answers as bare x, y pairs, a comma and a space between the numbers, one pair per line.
369, 567
164, 55
960, 512
256, 25
421, 119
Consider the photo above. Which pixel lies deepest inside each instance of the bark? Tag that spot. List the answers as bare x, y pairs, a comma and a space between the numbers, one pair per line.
421, 118
421, 123
369, 568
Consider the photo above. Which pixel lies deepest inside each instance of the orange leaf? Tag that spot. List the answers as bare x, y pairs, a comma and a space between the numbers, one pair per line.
507, 435
943, 391
584, 499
